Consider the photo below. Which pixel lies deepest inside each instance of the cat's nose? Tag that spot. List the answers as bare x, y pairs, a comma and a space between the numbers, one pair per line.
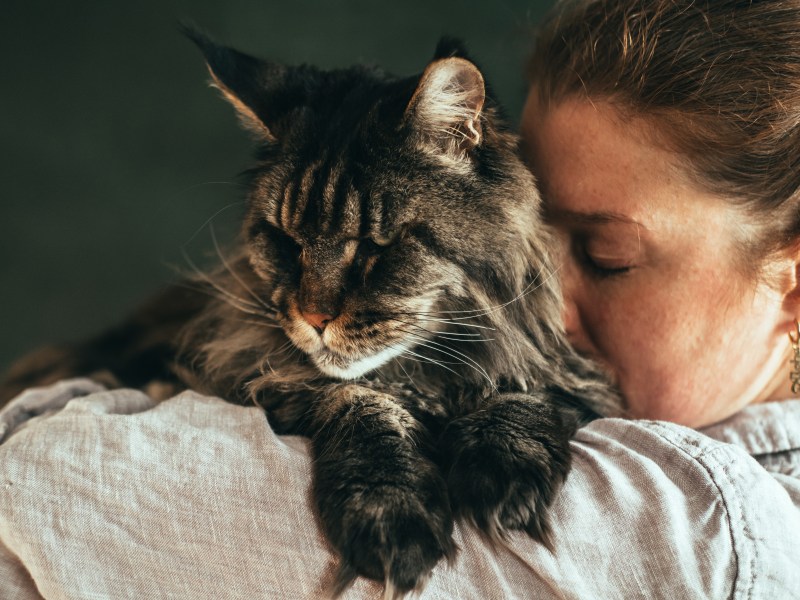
318, 320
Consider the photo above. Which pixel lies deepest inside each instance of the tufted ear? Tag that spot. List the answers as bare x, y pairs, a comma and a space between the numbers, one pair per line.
446, 106
251, 85
447, 47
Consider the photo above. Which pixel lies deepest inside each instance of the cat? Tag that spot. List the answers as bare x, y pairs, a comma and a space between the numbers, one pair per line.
392, 296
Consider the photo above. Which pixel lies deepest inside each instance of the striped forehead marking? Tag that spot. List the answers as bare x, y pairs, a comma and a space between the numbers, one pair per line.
322, 199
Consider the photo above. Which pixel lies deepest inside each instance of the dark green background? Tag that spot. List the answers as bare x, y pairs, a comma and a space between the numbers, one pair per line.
115, 154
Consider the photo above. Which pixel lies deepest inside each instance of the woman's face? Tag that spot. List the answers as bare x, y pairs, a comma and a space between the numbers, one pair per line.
651, 282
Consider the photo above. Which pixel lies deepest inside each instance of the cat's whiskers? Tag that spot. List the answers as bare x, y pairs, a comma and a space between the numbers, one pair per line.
479, 312
456, 333
423, 342
240, 304
288, 346
403, 369
215, 215
446, 335
426, 359
225, 264
453, 353
207, 279
288, 349
260, 323
426, 319
421, 318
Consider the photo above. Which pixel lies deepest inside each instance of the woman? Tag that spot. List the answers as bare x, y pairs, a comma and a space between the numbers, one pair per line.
665, 137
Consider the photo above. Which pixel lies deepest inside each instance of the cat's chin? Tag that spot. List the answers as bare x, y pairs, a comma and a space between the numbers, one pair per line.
335, 365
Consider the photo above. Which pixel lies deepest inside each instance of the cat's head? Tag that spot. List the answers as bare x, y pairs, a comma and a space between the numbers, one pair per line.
379, 206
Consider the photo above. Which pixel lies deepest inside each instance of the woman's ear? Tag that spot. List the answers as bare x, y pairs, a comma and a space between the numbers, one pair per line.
787, 273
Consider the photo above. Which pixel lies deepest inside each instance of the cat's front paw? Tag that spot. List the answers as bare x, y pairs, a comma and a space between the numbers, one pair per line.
389, 522
505, 464
383, 505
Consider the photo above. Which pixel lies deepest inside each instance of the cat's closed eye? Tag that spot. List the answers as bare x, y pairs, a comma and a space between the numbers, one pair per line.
288, 248
369, 248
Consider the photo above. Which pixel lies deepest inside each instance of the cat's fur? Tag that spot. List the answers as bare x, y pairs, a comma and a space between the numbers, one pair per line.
392, 239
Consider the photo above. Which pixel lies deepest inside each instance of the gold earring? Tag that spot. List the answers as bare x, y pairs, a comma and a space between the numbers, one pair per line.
794, 376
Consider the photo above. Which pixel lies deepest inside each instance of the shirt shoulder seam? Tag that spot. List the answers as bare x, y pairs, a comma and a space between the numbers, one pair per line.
720, 468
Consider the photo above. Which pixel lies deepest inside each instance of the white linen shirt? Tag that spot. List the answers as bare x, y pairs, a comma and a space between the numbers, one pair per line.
107, 494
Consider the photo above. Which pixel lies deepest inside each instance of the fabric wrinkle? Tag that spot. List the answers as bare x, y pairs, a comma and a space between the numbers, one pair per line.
198, 498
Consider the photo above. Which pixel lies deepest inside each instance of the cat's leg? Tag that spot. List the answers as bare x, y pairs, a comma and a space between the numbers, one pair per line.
506, 461
139, 352
382, 503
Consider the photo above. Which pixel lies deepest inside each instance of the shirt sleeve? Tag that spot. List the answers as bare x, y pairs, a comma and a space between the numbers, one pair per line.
115, 496
699, 518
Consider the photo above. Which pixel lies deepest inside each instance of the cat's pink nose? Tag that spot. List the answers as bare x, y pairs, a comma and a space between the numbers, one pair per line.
318, 320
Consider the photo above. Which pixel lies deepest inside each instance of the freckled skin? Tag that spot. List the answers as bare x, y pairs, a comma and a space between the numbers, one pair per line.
688, 336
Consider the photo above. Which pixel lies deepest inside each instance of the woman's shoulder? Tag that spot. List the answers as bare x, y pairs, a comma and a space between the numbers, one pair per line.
770, 433
649, 509
764, 434
692, 509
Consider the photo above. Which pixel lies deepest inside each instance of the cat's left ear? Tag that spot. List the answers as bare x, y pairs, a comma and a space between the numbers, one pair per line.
447, 105
248, 83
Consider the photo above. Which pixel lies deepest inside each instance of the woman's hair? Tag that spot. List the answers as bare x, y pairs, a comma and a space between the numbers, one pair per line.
718, 79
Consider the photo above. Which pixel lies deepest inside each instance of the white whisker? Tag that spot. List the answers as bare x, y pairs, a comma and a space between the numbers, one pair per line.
235, 301
402, 368
479, 312
447, 336
455, 354
212, 217
453, 322
257, 298
429, 360
260, 323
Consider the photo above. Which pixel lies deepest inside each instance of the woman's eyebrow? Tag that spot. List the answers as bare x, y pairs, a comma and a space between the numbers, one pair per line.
589, 218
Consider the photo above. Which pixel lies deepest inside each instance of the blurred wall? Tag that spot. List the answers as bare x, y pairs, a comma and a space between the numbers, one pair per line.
115, 156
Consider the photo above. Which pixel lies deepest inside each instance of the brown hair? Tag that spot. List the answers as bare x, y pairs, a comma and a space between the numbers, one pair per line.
719, 79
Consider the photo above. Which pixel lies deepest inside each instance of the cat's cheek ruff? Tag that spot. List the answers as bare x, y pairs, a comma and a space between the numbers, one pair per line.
261, 258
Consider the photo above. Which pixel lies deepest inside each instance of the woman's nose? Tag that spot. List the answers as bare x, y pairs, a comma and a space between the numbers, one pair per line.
569, 311
569, 316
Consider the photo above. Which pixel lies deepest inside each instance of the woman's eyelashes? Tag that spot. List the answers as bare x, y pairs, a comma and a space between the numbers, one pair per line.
602, 263
599, 269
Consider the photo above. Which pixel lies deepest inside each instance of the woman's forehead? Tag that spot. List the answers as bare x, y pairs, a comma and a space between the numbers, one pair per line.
587, 157
596, 169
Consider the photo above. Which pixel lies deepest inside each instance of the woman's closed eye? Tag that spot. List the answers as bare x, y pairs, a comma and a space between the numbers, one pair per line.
604, 244
605, 266
602, 256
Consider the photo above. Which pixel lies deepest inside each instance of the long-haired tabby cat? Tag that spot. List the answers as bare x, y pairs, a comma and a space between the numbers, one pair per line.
393, 237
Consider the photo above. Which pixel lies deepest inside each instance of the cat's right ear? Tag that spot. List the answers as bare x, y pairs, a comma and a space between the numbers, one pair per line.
447, 106
244, 81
